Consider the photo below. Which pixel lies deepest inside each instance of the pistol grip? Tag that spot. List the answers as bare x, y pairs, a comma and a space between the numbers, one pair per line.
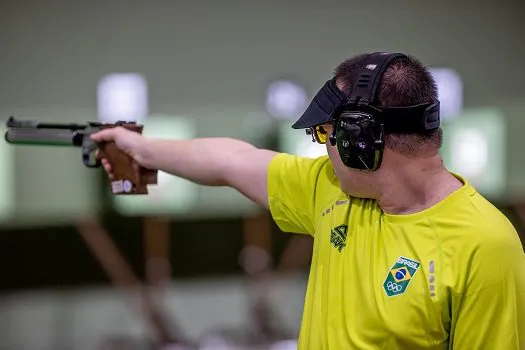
149, 175
129, 177
127, 174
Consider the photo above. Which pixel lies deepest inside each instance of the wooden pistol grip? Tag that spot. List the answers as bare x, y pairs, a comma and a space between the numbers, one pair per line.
149, 175
130, 178
127, 179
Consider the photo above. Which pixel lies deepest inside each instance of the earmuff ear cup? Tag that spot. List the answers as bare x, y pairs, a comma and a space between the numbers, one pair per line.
359, 142
343, 142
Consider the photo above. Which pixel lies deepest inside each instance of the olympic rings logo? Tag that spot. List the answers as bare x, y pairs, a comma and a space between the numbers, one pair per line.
394, 287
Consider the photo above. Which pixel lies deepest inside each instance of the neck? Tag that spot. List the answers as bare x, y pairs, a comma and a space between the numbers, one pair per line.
416, 186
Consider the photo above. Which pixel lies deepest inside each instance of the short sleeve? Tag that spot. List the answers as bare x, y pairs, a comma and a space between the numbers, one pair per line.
293, 185
490, 313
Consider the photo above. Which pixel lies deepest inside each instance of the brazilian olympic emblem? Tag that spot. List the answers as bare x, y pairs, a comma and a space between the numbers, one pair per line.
399, 276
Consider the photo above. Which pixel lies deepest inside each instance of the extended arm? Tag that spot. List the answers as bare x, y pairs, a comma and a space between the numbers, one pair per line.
213, 162
206, 161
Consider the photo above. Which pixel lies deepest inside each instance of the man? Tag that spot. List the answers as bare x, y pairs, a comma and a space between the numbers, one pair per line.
406, 255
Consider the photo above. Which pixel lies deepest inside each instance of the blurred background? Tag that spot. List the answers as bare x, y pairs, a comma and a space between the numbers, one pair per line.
190, 267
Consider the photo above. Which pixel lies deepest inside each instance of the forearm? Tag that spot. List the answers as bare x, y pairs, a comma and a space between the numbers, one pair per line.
202, 161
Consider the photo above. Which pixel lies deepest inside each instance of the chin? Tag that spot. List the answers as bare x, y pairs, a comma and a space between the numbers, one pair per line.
355, 184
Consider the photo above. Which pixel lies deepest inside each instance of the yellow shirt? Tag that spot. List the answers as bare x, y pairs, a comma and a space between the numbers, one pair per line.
449, 277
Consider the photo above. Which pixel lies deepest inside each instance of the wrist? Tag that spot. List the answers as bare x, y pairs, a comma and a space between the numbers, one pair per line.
143, 152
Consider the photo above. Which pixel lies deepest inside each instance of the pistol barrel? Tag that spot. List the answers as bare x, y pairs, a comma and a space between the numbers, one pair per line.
32, 136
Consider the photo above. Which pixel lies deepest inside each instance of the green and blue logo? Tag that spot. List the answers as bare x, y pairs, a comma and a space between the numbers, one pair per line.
399, 276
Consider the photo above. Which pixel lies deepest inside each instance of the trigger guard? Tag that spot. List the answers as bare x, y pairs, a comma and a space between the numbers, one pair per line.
90, 160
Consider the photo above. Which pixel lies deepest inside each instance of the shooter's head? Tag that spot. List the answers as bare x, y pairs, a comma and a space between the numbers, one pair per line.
404, 83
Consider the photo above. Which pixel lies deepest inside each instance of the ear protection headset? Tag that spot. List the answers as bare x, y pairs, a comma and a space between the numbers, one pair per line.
359, 122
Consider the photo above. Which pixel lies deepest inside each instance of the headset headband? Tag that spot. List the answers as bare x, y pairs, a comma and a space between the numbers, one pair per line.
364, 89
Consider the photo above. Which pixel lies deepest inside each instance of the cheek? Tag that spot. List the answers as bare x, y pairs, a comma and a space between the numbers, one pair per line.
335, 159
332, 151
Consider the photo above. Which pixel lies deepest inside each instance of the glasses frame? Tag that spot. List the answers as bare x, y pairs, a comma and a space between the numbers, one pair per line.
315, 132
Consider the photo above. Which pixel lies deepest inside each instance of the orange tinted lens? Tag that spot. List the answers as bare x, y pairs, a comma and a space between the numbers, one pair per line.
320, 134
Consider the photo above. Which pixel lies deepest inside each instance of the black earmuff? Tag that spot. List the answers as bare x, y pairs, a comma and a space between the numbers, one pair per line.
360, 140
